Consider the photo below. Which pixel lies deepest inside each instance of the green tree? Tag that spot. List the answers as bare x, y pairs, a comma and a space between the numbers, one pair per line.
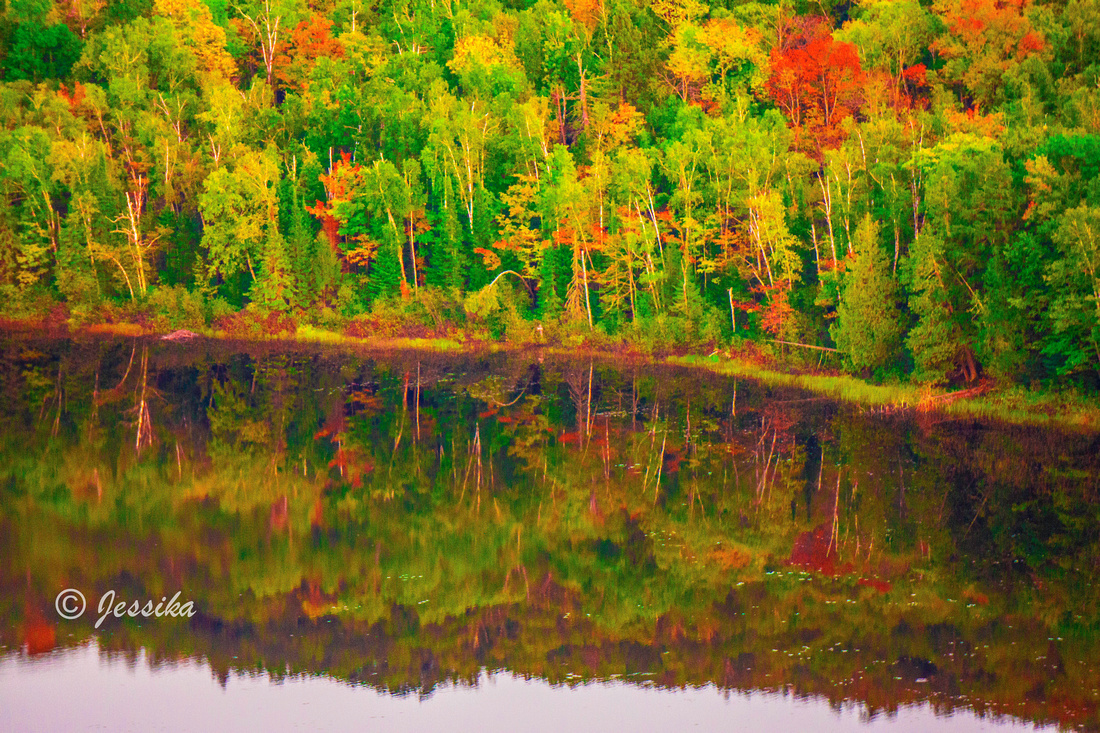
940, 341
868, 327
275, 288
1074, 278
969, 202
38, 52
239, 207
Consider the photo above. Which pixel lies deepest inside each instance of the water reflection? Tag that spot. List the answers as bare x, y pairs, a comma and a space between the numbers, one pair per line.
183, 697
405, 522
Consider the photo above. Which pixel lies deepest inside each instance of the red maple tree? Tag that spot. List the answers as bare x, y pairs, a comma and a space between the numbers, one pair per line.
816, 82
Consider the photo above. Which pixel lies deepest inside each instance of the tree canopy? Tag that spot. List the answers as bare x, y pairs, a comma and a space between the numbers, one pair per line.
914, 184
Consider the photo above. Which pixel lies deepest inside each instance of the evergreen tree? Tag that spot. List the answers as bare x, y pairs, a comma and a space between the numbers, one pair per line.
274, 287
939, 344
868, 326
302, 253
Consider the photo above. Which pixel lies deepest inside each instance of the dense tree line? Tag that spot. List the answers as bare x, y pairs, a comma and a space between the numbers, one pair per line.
916, 184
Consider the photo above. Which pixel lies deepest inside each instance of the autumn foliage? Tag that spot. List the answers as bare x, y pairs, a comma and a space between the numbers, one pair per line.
667, 171
816, 82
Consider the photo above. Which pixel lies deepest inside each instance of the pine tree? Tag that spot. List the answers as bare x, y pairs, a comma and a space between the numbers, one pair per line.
938, 342
868, 328
301, 254
274, 286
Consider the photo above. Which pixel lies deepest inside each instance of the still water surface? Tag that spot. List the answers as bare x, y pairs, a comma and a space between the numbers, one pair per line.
417, 542
101, 694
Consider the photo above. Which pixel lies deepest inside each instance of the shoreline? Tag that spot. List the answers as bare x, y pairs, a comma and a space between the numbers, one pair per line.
1012, 405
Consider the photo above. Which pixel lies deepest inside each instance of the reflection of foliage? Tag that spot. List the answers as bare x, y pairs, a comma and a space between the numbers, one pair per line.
555, 522
233, 422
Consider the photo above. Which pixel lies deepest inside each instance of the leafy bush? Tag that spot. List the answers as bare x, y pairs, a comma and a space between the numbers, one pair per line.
30, 304
254, 322
665, 333
173, 307
431, 313
499, 308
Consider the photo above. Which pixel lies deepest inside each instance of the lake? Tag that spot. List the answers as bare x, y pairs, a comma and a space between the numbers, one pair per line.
523, 541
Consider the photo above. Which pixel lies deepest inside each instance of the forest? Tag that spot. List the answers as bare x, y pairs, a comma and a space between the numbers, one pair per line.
913, 184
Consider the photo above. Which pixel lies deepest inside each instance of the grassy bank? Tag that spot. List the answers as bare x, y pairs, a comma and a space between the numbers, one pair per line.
1013, 405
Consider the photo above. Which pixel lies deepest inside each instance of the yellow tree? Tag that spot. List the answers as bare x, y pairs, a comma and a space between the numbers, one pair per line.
239, 209
632, 172
773, 261
196, 30
736, 49
515, 225
689, 61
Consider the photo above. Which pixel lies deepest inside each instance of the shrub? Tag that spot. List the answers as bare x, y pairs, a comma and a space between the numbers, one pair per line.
34, 305
665, 333
173, 307
254, 322
499, 309
428, 314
